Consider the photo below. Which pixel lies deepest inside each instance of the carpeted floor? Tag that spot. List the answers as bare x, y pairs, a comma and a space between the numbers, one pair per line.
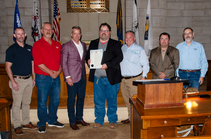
104, 132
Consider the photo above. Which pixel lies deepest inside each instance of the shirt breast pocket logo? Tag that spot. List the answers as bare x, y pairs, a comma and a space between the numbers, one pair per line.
134, 57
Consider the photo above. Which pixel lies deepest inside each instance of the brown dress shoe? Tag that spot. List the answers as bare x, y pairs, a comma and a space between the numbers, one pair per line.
74, 127
29, 126
18, 131
83, 123
112, 125
96, 125
127, 121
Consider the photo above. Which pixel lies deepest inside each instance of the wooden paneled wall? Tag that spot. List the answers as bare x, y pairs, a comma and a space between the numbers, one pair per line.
5, 91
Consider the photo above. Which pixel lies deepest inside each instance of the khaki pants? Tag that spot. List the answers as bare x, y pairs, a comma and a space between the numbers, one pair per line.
22, 96
128, 90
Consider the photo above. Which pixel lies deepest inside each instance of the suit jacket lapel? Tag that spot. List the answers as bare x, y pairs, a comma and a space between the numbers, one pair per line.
167, 56
109, 44
159, 55
97, 43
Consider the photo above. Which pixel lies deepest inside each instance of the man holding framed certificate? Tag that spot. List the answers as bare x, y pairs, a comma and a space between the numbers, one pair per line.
105, 79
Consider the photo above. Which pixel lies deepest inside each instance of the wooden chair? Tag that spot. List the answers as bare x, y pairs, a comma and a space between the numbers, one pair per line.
5, 123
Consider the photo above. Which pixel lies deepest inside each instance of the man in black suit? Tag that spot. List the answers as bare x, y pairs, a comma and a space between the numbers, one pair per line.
106, 79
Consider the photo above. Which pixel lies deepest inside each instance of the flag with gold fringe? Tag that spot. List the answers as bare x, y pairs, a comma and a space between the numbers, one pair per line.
148, 37
119, 22
17, 19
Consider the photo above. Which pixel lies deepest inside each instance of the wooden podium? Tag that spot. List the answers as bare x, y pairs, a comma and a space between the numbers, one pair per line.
160, 93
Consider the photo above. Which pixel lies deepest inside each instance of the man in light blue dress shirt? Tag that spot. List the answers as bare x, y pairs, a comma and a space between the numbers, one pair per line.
193, 62
134, 66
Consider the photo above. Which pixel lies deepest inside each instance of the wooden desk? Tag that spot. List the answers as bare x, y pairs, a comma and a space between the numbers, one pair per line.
162, 122
5, 123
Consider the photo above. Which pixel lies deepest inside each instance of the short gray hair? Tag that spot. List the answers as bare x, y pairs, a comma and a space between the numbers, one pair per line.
76, 27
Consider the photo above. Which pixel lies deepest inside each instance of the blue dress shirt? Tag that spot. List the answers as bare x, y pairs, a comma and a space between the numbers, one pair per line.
134, 61
192, 57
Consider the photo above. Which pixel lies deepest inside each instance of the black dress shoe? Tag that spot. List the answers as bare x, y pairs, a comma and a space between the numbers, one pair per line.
127, 121
83, 123
74, 127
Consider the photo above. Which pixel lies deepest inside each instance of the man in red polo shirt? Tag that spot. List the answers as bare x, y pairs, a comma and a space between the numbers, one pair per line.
46, 54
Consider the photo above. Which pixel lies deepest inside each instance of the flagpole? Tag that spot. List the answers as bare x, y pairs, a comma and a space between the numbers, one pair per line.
50, 12
40, 13
125, 22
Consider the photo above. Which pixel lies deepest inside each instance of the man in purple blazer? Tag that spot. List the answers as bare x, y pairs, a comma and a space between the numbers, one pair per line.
73, 55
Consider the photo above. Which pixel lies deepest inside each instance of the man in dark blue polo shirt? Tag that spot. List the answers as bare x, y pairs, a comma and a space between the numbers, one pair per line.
19, 67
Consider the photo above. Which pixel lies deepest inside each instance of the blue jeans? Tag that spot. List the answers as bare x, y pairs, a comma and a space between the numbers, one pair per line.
47, 87
192, 76
78, 89
103, 91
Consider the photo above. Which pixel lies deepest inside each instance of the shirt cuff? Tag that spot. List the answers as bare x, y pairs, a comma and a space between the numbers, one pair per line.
67, 77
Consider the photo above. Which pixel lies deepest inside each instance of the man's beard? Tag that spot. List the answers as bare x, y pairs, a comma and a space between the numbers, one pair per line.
48, 35
104, 37
188, 39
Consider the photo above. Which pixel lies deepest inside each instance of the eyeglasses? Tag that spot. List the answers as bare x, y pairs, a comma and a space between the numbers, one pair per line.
187, 33
47, 29
104, 31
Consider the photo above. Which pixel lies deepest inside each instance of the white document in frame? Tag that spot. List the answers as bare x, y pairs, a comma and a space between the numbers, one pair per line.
96, 58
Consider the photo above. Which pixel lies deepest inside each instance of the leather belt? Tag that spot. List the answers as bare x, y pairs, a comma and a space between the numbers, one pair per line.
190, 70
21, 77
129, 77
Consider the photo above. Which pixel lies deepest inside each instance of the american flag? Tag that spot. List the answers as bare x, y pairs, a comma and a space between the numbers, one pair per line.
56, 20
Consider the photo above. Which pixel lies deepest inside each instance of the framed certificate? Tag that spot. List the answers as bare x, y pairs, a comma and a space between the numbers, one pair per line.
96, 58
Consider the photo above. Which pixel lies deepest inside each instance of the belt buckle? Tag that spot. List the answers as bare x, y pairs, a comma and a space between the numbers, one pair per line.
18, 77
